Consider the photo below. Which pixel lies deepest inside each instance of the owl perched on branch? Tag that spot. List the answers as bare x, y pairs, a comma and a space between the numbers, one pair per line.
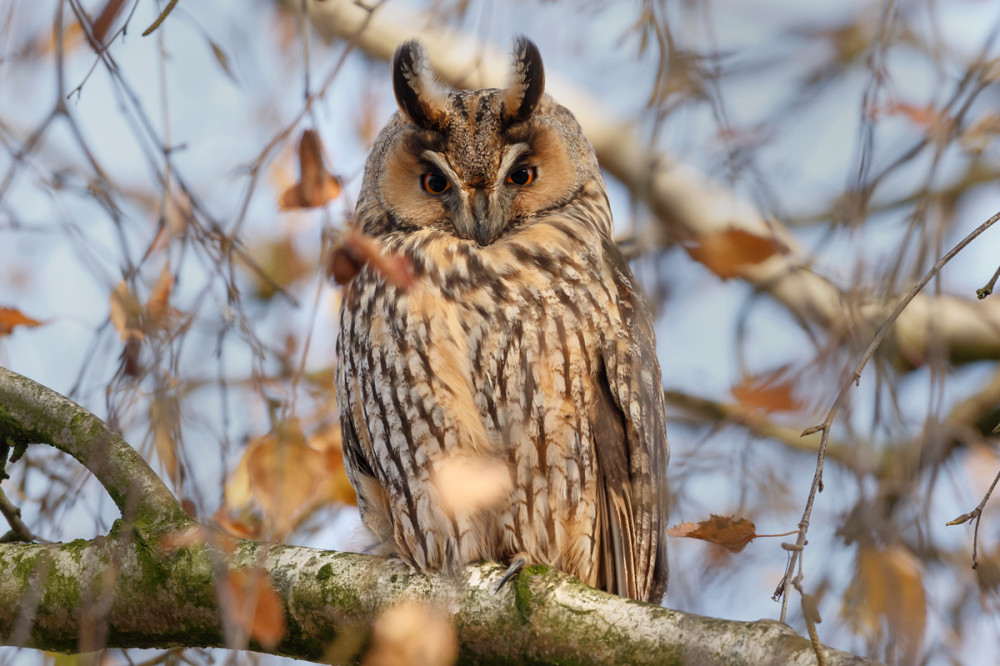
520, 360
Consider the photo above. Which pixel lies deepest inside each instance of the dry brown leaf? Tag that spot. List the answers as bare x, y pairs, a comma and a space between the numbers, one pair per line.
413, 634
353, 250
126, 314
977, 136
316, 186
11, 318
888, 587
335, 486
725, 253
73, 37
468, 482
919, 115
165, 421
281, 262
158, 306
243, 526
105, 18
250, 601
287, 478
770, 392
730, 532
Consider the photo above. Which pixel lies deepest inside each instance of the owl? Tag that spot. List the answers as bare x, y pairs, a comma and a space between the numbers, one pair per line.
523, 344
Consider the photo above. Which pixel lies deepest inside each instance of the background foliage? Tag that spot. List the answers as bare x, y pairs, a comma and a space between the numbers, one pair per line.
149, 271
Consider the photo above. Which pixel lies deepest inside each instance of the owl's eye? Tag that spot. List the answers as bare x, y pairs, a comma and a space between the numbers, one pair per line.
434, 183
523, 176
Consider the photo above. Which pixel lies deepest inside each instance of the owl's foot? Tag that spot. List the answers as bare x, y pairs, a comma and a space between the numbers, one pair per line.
515, 566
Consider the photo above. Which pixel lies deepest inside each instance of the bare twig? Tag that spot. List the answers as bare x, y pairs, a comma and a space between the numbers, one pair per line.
18, 530
976, 515
854, 379
987, 289
160, 19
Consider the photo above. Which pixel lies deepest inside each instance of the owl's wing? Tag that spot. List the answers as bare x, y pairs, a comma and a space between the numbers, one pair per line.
373, 501
631, 444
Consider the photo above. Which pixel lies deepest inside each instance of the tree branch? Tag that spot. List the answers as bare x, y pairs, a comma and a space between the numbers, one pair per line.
165, 600
138, 588
31, 413
688, 203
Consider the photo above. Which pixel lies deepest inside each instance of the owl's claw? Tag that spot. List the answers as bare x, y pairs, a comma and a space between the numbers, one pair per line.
512, 571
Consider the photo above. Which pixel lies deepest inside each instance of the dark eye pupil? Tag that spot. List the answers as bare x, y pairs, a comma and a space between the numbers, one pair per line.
520, 177
435, 183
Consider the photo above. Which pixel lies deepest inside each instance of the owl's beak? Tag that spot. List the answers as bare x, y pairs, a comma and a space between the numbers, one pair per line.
484, 229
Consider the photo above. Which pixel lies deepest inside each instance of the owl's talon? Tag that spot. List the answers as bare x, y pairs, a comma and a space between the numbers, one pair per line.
512, 571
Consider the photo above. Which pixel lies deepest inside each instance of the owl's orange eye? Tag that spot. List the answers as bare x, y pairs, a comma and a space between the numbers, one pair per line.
434, 183
522, 176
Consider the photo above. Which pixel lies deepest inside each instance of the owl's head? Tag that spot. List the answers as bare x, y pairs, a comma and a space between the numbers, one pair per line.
473, 163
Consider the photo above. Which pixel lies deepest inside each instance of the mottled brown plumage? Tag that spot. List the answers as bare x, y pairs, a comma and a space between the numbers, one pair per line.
524, 342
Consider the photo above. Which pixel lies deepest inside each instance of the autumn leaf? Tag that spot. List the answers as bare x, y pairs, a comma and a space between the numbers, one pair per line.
105, 18
316, 186
730, 532
413, 634
165, 423
919, 115
281, 262
469, 482
126, 313
158, 309
288, 476
888, 588
725, 253
352, 251
251, 603
335, 486
771, 392
977, 136
10, 318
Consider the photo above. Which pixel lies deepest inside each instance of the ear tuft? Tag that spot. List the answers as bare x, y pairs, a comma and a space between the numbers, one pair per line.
414, 86
527, 82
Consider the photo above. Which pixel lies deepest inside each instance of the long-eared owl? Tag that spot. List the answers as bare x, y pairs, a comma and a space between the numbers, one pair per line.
523, 342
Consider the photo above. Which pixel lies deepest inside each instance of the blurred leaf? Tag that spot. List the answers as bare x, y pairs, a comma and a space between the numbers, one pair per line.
730, 532
165, 422
126, 313
335, 486
73, 37
160, 19
726, 252
222, 59
316, 186
282, 263
158, 309
105, 19
10, 318
352, 250
250, 602
413, 634
288, 477
470, 482
888, 587
918, 115
770, 392
977, 136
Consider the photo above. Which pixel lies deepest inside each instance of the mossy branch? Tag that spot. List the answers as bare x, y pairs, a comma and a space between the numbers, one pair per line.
140, 587
33, 414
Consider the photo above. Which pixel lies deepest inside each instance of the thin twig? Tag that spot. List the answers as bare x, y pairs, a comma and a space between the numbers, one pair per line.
976, 515
160, 19
854, 379
18, 530
988, 288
